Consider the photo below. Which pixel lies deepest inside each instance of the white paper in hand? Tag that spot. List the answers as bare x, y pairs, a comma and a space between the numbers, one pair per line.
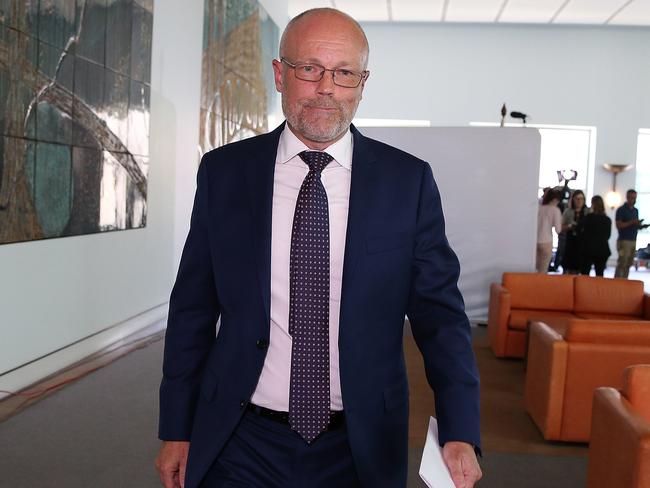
433, 469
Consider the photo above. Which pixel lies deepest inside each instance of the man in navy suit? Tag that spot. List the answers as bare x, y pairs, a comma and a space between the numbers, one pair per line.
311, 244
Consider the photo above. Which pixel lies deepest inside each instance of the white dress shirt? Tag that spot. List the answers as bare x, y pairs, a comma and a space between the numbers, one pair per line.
272, 389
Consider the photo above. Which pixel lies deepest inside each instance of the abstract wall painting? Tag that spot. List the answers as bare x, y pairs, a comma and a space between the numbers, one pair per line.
238, 96
74, 116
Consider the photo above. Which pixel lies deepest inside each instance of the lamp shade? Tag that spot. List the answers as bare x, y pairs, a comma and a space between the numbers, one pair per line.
616, 168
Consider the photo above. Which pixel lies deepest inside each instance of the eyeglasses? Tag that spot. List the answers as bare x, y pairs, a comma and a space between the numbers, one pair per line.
314, 72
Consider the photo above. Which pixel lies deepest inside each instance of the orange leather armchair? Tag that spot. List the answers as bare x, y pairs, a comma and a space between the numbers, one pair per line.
619, 452
564, 371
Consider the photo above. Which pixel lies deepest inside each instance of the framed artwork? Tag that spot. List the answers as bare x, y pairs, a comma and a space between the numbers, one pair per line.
74, 116
237, 88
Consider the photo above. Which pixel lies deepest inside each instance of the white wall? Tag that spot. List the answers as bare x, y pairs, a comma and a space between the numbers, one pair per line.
278, 10
457, 73
176, 84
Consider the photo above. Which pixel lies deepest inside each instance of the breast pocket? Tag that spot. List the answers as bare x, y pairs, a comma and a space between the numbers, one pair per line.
389, 242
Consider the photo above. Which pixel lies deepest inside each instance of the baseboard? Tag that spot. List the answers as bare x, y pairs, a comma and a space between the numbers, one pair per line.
142, 325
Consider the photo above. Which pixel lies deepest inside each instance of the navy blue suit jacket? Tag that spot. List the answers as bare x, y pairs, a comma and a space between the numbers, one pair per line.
397, 262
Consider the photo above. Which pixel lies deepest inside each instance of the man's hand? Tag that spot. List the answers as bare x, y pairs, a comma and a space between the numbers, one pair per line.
171, 462
462, 463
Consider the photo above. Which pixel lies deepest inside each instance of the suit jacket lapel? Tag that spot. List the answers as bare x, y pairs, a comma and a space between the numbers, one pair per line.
260, 170
361, 192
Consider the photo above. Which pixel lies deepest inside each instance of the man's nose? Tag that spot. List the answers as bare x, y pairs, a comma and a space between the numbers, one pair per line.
326, 83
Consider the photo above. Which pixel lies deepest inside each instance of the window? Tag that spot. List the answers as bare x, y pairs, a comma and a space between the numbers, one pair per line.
568, 148
642, 184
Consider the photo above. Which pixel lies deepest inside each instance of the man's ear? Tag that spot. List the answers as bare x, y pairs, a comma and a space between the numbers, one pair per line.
277, 74
363, 82
365, 78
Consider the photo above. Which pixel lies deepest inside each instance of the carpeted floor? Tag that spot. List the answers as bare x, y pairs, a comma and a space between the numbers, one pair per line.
505, 425
514, 452
101, 431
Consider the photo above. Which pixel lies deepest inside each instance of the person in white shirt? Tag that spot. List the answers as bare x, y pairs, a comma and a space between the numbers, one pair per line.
548, 218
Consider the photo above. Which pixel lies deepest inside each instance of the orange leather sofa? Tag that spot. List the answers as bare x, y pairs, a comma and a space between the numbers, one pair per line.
564, 371
619, 451
556, 299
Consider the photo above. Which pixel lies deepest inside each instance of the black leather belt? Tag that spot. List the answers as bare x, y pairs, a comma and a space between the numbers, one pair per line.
337, 417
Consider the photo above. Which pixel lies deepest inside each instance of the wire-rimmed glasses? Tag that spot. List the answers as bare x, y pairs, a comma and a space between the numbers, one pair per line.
314, 72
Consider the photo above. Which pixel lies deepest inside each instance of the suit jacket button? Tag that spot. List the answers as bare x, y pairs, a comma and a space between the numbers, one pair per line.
242, 404
262, 344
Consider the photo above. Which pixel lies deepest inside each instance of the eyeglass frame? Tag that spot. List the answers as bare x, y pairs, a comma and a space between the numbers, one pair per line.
362, 76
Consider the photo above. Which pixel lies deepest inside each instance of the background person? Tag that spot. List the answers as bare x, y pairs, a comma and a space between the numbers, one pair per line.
561, 238
628, 224
597, 228
572, 226
548, 218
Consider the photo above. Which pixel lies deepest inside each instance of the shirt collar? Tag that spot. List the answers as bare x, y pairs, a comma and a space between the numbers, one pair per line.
290, 146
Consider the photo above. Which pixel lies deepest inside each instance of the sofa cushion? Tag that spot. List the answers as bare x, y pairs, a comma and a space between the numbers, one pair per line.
519, 318
636, 388
539, 291
606, 295
606, 316
614, 332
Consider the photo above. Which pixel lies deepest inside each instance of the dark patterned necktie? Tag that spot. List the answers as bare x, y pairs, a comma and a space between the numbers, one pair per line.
309, 297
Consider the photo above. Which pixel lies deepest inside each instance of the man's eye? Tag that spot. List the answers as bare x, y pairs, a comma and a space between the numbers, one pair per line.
344, 73
308, 68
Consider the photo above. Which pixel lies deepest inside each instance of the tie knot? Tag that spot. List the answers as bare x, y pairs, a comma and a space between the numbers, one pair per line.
316, 160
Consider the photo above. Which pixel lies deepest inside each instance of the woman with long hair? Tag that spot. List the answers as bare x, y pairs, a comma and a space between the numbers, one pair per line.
572, 225
597, 227
548, 217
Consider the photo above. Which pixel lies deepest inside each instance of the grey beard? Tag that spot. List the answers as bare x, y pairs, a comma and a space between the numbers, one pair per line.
314, 133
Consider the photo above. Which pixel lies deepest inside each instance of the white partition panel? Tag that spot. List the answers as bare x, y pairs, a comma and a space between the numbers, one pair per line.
488, 184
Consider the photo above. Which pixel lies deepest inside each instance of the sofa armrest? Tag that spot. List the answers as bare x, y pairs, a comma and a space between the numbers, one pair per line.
619, 451
545, 378
498, 315
600, 331
636, 388
646, 306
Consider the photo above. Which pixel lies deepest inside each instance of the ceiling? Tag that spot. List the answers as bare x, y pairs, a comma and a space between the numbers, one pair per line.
589, 12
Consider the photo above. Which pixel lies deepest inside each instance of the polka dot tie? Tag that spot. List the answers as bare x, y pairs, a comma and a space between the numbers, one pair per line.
309, 271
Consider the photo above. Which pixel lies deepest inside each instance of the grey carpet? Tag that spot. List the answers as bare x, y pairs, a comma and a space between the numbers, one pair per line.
532, 471
507, 470
101, 432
